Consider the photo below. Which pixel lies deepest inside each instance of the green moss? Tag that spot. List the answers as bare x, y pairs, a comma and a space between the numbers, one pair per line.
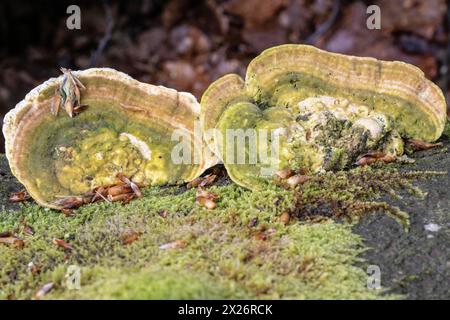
241, 249
447, 129
148, 283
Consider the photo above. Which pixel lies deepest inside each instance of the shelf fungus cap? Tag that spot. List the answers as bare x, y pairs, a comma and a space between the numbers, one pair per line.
328, 109
77, 132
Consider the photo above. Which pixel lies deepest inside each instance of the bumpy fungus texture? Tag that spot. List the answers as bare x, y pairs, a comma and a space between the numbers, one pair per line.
126, 127
327, 109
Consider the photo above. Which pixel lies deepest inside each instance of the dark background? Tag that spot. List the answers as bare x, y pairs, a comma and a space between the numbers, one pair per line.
186, 44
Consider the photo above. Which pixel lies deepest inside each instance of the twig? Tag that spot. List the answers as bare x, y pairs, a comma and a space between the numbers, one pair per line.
106, 37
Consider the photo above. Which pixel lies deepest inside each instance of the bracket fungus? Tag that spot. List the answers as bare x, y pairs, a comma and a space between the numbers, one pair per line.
112, 125
329, 112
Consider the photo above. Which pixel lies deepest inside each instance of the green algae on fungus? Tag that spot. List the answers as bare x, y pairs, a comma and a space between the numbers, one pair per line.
328, 110
127, 127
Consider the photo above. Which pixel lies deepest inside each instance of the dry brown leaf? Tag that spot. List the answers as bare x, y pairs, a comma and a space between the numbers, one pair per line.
136, 190
260, 235
285, 173
253, 12
27, 228
19, 196
194, 183
207, 203
61, 243
5, 234
373, 157
202, 193
70, 202
350, 38
126, 197
68, 212
14, 241
202, 181
134, 187
130, 237
118, 190
253, 223
163, 213
177, 244
208, 180
419, 145
33, 269
285, 217
297, 179
43, 291
419, 17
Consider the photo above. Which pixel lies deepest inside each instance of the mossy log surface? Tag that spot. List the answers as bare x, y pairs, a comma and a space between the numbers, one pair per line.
238, 250
416, 263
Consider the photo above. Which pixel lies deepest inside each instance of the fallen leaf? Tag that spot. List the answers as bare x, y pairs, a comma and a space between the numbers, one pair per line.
68, 212
27, 229
163, 213
253, 12
118, 190
206, 194
61, 243
70, 202
208, 180
285, 173
134, 187
202, 181
194, 183
100, 194
14, 241
364, 161
43, 291
69, 91
373, 157
33, 269
419, 145
5, 234
174, 245
19, 196
350, 38
208, 203
130, 237
419, 17
260, 235
136, 190
126, 197
253, 222
297, 179
285, 217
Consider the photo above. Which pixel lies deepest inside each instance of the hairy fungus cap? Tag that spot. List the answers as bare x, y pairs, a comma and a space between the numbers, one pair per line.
126, 127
